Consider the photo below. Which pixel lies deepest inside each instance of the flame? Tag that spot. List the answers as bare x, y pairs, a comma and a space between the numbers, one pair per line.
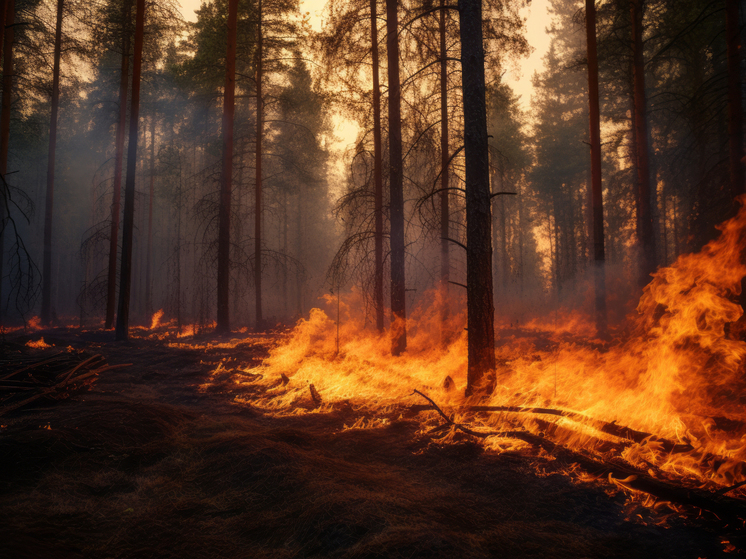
40, 344
156, 320
667, 397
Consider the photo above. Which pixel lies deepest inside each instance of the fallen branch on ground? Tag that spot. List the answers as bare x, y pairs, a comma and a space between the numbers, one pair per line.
55, 378
622, 475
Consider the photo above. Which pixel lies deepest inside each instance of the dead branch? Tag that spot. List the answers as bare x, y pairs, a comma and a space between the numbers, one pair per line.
57, 377
609, 428
623, 475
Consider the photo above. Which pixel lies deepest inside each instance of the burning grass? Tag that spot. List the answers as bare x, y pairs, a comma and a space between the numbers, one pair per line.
666, 398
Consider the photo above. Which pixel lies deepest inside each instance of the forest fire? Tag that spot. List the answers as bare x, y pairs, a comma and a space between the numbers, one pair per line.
372, 278
666, 396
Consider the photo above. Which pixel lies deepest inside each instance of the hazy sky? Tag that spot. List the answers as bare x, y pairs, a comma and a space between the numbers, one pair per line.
538, 20
537, 37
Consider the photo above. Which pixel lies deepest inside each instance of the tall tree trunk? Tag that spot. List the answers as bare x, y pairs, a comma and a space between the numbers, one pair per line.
284, 239
377, 170
224, 225
735, 108
7, 15
125, 277
299, 250
46, 287
504, 264
647, 238
111, 288
599, 269
480, 306
396, 185
151, 190
445, 215
258, 188
238, 233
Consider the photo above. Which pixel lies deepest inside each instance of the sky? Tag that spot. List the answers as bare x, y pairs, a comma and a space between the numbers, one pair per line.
538, 20
536, 24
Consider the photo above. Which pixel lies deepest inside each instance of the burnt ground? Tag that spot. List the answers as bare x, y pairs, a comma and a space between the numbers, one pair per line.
146, 464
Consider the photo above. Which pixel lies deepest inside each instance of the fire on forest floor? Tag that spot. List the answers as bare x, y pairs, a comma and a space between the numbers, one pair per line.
151, 463
664, 401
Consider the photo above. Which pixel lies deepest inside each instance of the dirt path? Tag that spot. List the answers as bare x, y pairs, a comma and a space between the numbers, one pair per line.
149, 465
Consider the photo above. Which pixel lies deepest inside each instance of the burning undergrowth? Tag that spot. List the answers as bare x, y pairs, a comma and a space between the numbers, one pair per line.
667, 397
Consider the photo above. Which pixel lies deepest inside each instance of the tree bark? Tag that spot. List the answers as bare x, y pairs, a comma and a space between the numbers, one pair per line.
377, 171
149, 250
258, 188
445, 264
46, 287
7, 16
224, 225
735, 107
645, 215
599, 269
480, 306
735, 110
125, 278
396, 185
111, 288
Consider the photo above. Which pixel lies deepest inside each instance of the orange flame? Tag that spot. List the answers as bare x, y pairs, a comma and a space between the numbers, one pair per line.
40, 344
677, 376
156, 320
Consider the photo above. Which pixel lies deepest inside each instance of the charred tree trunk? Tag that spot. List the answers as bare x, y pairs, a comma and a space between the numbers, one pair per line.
735, 108
224, 217
645, 215
396, 185
445, 263
599, 270
149, 257
480, 306
285, 253
258, 188
7, 16
125, 277
377, 170
111, 287
299, 249
46, 287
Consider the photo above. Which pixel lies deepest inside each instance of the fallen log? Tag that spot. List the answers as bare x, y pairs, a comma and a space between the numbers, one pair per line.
605, 427
624, 476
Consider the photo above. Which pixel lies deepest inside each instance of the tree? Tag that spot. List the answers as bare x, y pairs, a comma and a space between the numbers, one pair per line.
377, 169
125, 281
258, 170
735, 106
396, 184
7, 14
480, 306
46, 293
223, 324
445, 157
646, 236
599, 272
118, 158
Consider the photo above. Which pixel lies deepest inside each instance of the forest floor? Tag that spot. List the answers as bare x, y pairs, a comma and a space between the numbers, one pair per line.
150, 464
